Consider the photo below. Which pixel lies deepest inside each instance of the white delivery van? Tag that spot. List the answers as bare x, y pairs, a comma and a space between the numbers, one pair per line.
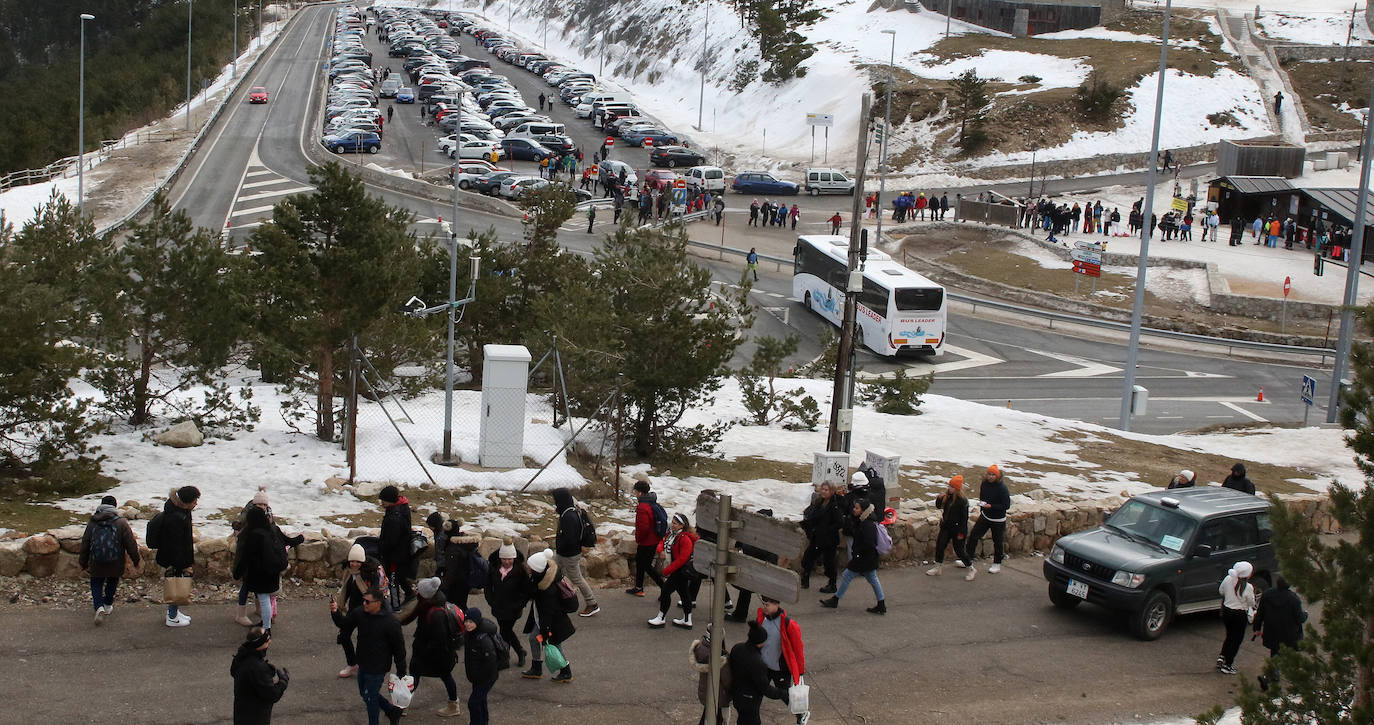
537, 128
827, 181
708, 178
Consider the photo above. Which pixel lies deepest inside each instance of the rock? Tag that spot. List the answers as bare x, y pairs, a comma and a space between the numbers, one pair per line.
41, 565
335, 484
336, 549
311, 551
68, 566
618, 568
368, 489
182, 435
42, 544
489, 544
12, 558
212, 546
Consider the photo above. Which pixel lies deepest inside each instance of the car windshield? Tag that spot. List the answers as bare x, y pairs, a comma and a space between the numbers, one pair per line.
1154, 524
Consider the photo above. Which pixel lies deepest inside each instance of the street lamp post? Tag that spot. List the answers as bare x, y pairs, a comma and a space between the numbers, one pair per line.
1030, 193
887, 131
701, 97
190, 6
236, 39
81, 123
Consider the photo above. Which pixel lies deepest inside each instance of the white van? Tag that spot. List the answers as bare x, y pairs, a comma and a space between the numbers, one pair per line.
584, 108
709, 178
537, 128
827, 181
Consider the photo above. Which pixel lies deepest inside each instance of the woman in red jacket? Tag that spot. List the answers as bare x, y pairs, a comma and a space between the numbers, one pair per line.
783, 651
678, 574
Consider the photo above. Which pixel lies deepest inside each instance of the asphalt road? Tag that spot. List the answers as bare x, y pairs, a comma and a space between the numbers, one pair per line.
988, 651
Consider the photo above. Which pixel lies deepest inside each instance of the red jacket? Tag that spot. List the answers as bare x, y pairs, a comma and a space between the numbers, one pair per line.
921, 202
793, 653
682, 551
644, 525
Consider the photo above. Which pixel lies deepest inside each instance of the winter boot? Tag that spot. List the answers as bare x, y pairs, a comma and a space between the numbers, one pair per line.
934, 570
520, 658
450, 711
829, 588
564, 675
831, 603
972, 572
685, 622
806, 581
535, 671
658, 621
879, 608
241, 616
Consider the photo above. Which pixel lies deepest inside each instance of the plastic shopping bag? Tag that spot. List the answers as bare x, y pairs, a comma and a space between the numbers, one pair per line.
553, 657
799, 697
399, 689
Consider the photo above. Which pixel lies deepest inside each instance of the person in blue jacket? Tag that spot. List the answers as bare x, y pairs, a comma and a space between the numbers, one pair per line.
994, 499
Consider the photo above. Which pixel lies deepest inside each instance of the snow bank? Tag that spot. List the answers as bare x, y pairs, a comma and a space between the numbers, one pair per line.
1008, 66
1313, 27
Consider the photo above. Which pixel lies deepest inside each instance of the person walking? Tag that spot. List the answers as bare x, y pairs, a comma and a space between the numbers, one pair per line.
821, 522
507, 594
439, 527
258, 684
568, 544
700, 656
460, 559
434, 649
794, 215
541, 101
547, 623
863, 561
591, 217
835, 222
380, 643
651, 523
259, 560
390, 110
993, 501
1237, 232
678, 575
397, 561
1237, 606
752, 261
482, 663
749, 682
718, 208
1278, 104
1278, 622
106, 542
783, 652
953, 528
754, 213
1238, 480
361, 575
944, 206
170, 533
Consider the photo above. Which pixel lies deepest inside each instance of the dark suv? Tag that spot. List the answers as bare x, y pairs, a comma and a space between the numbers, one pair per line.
1163, 553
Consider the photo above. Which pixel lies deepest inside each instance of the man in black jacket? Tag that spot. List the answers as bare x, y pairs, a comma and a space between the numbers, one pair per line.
1238, 480
749, 682
481, 663
258, 685
568, 548
175, 545
380, 643
397, 560
821, 521
1279, 621
994, 499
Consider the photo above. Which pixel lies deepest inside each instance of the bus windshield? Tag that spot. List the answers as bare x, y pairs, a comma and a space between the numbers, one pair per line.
919, 299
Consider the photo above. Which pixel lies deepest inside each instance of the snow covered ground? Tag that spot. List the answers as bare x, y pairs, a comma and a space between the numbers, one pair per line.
1314, 27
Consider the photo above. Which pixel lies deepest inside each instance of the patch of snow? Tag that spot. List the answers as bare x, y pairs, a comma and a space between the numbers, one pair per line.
1313, 27
1007, 66
1119, 36
19, 204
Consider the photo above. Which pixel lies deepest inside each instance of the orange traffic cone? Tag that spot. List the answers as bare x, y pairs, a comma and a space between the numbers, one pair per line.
1260, 397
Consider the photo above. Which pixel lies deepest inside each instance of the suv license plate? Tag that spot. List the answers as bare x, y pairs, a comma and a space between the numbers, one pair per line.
1078, 589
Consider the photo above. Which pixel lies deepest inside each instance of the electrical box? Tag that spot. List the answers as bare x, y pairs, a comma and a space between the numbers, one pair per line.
856, 281
887, 464
1140, 399
844, 422
830, 467
505, 381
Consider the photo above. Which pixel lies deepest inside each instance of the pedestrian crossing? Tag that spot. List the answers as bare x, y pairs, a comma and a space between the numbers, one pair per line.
259, 191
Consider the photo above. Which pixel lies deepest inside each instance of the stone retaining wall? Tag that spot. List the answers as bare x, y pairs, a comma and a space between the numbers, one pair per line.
1323, 52
1030, 528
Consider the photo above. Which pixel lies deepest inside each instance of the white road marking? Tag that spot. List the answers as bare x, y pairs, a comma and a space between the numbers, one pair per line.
246, 212
275, 192
1086, 368
1243, 411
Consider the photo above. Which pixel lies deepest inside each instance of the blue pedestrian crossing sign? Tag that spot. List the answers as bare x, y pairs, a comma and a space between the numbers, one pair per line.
1309, 389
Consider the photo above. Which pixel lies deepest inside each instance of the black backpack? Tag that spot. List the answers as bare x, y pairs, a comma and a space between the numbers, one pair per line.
588, 529
478, 568
105, 546
499, 649
153, 536
453, 623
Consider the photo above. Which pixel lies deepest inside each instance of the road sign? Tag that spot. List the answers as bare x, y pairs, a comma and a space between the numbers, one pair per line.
1287, 285
772, 535
1092, 270
1309, 389
1179, 204
753, 574
648, 142
1089, 246
820, 119
679, 184
1087, 259
610, 141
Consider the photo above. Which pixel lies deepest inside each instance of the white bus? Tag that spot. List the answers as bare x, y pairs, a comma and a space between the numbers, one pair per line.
898, 310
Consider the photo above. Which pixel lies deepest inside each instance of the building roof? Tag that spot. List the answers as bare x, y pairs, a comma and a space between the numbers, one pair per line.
1257, 184
1339, 201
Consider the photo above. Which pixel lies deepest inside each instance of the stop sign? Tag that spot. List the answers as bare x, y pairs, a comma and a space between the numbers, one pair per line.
1287, 285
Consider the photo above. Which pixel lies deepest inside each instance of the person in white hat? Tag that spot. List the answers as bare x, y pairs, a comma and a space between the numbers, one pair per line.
361, 575
1237, 606
1184, 479
548, 622
506, 594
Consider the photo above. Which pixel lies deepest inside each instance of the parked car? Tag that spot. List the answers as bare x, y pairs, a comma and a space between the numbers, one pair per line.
652, 137
761, 182
470, 173
257, 94
707, 178
1163, 553
660, 179
610, 172
405, 95
523, 149
477, 149
516, 186
672, 156
828, 181
489, 183
352, 142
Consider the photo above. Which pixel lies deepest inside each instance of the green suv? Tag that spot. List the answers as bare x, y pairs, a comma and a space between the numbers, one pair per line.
1163, 553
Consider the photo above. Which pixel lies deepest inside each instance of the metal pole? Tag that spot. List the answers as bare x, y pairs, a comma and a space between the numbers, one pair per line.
190, 6
1352, 273
839, 400
452, 299
619, 414
887, 131
236, 39
353, 372
719, 576
1133, 348
81, 124
701, 97
1030, 192
949, 10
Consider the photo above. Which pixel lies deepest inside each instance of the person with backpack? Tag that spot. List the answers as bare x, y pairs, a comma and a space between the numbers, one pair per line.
484, 656
783, 652
380, 642
439, 526
575, 531
258, 685
438, 637
548, 622
170, 533
461, 573
821, 522
259, 560
953, 528
507, 593
398, 562
108, 539
651, 525
864, 559
259, 501
678, 575
361, 575
699, 654
994, 499
1278, 622
1238, 480
749, 682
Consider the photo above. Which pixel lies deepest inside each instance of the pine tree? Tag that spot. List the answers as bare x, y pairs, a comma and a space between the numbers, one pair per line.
1330, 677
330, 265
970, 101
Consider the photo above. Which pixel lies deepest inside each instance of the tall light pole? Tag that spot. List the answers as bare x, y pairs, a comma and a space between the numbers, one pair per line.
236, 38
701, 98
190, 6
1352, 273
887, 131
81, 123
1030, 193
1133, 348
447, 458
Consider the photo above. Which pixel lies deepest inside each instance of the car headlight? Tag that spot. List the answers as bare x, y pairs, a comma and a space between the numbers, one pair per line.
1128, 579
1057, 554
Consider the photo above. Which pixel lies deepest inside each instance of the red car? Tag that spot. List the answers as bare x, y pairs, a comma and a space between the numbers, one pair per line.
257, 94
660, 179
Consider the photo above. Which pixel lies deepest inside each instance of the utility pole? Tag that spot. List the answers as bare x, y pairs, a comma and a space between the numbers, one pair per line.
841, 408
887, 132
236, 39
1352, 273
447, 458
190, 10
701, 98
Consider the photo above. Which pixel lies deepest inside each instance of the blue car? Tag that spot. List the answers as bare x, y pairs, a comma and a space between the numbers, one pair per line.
762, 182
405, 95
656, 137
352, 142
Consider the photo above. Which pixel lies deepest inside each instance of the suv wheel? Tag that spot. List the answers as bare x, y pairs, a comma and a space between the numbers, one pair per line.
672, 163
1063, 599
1150, 621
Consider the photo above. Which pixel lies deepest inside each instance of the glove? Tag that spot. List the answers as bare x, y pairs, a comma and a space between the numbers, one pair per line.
283, 675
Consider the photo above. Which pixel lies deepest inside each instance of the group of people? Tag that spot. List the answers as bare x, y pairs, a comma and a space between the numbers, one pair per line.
910, 206
769, 214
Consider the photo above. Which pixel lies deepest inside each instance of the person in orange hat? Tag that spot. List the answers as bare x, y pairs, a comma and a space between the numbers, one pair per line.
953, 527
994, 500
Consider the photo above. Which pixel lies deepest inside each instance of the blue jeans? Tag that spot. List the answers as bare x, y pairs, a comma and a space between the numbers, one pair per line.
103, 590
171, 611
369, 688
265, 609
477, 704
848, 576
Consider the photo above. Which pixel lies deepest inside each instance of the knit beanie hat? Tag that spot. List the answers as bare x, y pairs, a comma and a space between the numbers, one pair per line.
427, 588
434, 520
957, 483
108, 501
1186, 475
507, 551
994, 470
390, 494
260, 498
540, 561
473, 614
757, 635
356, 553
681, 518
